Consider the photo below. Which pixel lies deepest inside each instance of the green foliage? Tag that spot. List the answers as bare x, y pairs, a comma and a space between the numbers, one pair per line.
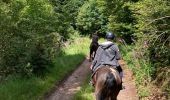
34, 88
86, 92
122, 23
32, 32
27, 42
141, 69
154, 24
152, 46
90, 19
67, 11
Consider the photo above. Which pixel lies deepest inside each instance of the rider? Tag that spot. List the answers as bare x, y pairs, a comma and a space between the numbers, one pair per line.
107, 54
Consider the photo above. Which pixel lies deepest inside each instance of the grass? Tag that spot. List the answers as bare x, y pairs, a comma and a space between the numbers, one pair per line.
34, 88
141, 69
145, 77
86, 92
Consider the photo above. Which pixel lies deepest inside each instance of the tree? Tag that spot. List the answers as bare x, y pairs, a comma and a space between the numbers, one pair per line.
66, 11
27, 25
90, 19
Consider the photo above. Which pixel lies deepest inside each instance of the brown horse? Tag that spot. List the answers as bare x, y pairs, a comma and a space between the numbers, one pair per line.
93, 46
107, 83
93, 49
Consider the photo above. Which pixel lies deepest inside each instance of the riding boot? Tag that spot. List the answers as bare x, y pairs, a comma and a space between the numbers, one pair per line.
122, 87
121, 76
91, 82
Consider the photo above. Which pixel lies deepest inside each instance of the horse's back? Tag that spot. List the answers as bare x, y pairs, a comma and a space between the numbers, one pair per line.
109, 72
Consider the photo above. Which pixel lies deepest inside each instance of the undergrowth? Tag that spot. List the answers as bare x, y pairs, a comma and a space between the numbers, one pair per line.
146, 74
141, 69
86, 92
34, 88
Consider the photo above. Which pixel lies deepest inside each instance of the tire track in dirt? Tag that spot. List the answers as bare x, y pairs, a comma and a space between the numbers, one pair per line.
67, 89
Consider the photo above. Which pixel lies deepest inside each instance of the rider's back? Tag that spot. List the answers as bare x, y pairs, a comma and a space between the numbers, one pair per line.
107, 54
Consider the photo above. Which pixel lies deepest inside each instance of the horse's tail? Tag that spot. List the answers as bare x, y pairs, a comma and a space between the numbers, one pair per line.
110, 82
109, 86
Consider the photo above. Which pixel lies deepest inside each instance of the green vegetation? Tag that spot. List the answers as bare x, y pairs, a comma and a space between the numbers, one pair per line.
34, 88
141, 69
90, 19
150, 53
28, 39
86, 92
34, 32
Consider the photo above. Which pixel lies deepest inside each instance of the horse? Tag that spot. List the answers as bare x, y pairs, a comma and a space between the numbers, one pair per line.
107, 83
93, 49
93, 46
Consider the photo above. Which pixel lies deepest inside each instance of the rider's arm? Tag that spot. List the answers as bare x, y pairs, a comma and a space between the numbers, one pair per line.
118, 56
93, 63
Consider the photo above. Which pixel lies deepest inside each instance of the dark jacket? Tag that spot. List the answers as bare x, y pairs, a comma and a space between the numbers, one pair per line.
107, 54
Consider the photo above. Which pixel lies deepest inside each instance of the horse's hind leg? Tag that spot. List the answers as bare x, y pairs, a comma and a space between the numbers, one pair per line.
91, 52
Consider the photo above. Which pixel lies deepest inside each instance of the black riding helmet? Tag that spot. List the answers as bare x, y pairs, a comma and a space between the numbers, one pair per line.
110, 35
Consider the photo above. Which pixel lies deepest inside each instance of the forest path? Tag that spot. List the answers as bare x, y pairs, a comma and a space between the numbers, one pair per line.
130, 92
67, 89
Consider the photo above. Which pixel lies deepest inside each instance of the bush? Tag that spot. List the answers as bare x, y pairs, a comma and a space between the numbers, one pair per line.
28, 42
153, 45
90, 19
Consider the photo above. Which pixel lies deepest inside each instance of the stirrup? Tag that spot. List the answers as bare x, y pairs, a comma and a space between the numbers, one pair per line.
122, 87
91, 83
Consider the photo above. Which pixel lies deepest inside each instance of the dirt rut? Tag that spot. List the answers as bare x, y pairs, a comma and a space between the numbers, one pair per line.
72, 84
130, 92
67, 89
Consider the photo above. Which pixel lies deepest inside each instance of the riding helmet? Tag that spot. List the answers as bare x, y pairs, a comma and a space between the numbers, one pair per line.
110, 35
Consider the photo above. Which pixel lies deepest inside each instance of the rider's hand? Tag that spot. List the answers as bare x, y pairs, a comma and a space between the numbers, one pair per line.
91, 67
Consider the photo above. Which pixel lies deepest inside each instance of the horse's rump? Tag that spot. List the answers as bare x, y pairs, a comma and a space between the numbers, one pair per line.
107, 83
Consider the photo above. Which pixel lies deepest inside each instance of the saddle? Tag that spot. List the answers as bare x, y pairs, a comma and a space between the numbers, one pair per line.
94, 74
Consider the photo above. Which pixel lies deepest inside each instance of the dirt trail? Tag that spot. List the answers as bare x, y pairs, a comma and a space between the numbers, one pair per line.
72, 84
129, 93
